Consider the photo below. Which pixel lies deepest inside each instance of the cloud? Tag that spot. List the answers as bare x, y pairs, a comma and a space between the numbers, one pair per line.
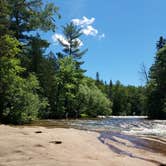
83, 22
87, 27
60, 38
89, 30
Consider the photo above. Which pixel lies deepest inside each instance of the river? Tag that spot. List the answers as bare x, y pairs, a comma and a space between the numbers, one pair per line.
139, 126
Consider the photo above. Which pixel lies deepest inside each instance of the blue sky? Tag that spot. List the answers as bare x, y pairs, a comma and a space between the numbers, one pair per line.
127, 31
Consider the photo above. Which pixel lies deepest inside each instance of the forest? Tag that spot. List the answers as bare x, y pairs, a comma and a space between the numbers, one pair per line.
35, 84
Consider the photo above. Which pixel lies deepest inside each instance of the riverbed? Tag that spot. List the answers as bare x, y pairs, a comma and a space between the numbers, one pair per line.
55, 145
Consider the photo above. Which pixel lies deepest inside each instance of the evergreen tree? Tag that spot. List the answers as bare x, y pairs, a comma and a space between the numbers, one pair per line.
37, 48
97, 77
110, 90
157, 86
72, 43
160, 44
27, 16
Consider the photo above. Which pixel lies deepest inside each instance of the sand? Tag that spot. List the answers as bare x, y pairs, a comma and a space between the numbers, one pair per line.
36, 146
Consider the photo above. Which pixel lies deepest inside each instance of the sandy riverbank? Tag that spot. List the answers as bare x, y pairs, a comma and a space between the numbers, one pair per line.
24, 146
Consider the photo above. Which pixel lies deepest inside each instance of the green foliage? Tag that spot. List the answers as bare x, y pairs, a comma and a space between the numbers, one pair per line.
26, 16
4, 17
9, 46
160, 44
158, 69
73, 43
157, 86
84, 116
91, 101
19, 102
127, 100
72, 34
33, 84
67, 81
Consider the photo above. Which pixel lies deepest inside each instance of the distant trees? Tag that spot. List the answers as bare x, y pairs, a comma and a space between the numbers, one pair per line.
91, 100
127, 100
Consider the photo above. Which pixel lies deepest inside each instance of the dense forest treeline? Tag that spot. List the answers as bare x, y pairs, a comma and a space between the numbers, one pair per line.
35, 85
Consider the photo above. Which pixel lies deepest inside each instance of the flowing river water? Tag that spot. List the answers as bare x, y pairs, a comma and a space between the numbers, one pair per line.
139, 126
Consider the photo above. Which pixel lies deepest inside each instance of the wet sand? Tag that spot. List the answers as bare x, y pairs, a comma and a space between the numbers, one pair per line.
39, 146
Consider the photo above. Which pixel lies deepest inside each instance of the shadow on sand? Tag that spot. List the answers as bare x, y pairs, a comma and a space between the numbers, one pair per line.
106, 137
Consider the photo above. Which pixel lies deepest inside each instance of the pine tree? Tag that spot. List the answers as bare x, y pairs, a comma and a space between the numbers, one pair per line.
157, 86
27, 16
160, 44
72, 43
97, 77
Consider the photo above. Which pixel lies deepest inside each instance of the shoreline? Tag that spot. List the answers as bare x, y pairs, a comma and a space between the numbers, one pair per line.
72, 147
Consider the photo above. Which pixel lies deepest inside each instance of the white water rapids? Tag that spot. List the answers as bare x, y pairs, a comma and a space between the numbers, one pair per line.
127, 125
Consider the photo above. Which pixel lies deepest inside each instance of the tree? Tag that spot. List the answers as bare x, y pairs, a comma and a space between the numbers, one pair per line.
97, 77
110, 90
91, 101
144, 73
160, 44
4, 17
48, 76
119, 99
27, 16
19, 101
157, 86
67, 81
72, 43
69, 73
36, 53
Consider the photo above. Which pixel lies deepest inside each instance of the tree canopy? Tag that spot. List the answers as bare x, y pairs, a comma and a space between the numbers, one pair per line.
36, 83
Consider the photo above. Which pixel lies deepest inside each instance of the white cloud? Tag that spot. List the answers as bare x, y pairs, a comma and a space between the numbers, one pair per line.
60, 38
86, 25
83, 22
87, 28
